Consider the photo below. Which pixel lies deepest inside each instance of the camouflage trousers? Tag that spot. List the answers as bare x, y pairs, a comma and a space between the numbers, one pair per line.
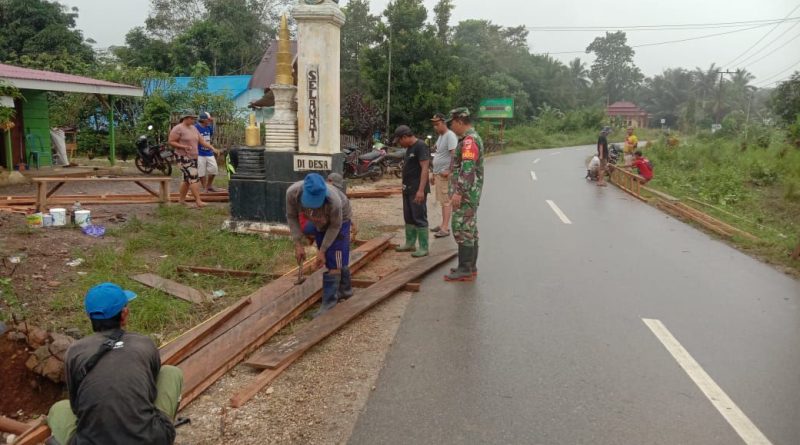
465, 224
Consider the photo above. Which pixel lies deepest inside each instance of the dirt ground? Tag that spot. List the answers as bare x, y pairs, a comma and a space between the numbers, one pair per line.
23, 393
315, 401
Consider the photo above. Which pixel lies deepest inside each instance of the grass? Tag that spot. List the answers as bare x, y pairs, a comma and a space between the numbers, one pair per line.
177, 236
755, 188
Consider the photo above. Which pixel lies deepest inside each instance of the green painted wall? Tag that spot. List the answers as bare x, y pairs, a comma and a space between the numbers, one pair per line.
36, 120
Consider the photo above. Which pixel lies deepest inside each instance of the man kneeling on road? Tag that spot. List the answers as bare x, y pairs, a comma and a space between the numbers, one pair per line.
118, 391
328, 209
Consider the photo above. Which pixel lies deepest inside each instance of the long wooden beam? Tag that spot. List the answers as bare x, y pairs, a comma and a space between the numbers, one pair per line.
280, 356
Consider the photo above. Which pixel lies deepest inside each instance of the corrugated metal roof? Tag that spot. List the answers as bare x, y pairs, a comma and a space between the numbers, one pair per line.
16, 72
230, 86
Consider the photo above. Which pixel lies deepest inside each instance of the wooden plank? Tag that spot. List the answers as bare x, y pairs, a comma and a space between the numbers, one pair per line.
101, 179
208, 330
274, 306
171, 287
13, 426
34, 436
41, 197
221, 272
147, 188
322, 326
55, 188
356, 194
280, 356
796, 253
410, 287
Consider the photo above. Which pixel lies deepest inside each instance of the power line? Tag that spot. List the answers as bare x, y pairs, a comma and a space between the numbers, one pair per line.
796, 63
769, 53
687, 26
762, 37
670, 41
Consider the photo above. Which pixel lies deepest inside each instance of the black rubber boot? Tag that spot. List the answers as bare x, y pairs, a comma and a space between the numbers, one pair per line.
330, 286
464, 270
475, 260
345, 288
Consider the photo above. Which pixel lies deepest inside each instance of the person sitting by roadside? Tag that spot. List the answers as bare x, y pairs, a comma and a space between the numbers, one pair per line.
118, 391
643, 166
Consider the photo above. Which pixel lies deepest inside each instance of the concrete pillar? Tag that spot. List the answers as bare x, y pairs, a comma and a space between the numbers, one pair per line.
318, 52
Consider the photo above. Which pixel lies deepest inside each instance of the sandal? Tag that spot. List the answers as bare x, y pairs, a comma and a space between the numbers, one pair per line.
441, 234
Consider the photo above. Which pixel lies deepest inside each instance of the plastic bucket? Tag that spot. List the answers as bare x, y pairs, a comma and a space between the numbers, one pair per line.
59, 216
47, 220
34, 220
83, 217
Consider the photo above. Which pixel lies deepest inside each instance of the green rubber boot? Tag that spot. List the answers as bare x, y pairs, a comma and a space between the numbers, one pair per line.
411, 240
475, 260
422, 235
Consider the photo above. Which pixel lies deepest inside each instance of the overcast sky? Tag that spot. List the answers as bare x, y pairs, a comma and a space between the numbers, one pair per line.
108, 25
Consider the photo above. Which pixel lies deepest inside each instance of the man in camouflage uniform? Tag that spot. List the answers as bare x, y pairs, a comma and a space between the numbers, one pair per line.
466, 184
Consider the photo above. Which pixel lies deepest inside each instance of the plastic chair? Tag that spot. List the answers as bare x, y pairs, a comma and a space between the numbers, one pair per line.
36, 150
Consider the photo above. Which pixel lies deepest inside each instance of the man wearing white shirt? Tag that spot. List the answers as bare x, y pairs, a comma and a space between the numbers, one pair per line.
445, 146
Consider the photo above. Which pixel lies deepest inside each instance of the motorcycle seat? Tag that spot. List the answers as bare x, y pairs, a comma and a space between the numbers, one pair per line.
371, 156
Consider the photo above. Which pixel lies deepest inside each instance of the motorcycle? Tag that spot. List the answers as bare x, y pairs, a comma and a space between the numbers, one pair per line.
151, 157
361, 166
394, 160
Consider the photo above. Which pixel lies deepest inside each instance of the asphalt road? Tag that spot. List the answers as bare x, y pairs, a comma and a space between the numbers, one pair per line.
550, 345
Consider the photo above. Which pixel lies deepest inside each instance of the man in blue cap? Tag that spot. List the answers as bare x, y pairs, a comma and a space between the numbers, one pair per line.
118, 391
328, 209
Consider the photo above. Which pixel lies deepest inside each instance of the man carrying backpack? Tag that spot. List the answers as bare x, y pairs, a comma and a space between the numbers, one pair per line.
118, 391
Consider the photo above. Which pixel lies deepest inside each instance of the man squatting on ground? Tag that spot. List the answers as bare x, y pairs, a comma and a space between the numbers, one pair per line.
328, 210
445, 146
415, 191
118, 391
466, 185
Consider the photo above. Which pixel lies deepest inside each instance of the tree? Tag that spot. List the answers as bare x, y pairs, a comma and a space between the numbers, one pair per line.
358, 33
442, 11
42, 34
785, 101
613, 66
666, 95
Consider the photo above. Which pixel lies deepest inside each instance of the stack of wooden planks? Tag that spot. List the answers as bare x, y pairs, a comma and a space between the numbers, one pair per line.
684, 211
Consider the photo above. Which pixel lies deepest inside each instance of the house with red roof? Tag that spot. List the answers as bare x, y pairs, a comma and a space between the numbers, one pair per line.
30, 133
628, 113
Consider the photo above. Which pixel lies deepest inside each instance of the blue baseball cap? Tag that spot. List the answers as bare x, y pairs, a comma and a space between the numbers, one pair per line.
314, 191
204, 116
106, 300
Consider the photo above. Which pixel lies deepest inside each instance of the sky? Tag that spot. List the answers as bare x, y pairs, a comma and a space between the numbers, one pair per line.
783, 41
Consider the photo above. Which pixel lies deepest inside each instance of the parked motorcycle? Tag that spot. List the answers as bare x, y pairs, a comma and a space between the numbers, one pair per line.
394, 160
151, 156
362, 166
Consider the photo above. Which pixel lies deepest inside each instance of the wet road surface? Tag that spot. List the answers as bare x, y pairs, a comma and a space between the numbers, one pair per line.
596, 319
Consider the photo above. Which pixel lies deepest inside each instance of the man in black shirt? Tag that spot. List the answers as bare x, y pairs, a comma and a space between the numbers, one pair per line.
118, 391
415, 191
602, 153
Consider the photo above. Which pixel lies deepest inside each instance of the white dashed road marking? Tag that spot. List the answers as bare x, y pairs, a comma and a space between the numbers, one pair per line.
536, 161
558, 211
533, 175
749, 433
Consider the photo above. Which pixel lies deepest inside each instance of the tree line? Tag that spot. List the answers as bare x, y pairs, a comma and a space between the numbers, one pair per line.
414, 61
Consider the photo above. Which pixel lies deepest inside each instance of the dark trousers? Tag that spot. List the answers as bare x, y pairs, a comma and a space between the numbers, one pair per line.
413, 213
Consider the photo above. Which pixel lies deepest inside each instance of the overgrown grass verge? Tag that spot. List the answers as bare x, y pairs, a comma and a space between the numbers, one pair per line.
754, 188
178, 236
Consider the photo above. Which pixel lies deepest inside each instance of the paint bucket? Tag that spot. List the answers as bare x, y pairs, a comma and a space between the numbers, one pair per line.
83, 218
59, 216
34, 220
47, 220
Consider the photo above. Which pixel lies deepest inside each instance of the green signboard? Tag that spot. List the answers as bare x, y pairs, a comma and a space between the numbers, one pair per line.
501, 108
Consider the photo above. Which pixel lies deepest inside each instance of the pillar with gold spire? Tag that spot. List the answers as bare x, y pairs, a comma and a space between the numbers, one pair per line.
281, 128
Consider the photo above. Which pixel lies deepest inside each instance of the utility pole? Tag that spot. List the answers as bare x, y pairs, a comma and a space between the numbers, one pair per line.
389, 82
719, 93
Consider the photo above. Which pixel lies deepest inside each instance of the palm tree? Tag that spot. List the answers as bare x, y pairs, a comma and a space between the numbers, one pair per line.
578, 73
705, 82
